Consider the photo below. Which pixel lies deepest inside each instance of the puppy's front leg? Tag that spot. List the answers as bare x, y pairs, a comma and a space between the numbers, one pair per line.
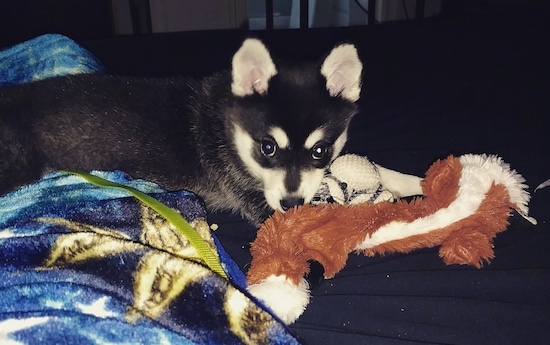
399, 184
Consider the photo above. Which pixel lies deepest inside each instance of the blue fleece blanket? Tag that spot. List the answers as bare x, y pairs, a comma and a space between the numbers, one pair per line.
81, 264
44, 57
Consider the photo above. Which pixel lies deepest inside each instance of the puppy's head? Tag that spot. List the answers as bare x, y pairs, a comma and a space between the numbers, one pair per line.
290, 121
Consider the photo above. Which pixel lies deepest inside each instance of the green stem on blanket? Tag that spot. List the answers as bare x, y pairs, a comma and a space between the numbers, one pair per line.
170, 214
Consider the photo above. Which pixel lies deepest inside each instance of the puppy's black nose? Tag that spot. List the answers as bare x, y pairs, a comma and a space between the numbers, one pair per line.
291, 202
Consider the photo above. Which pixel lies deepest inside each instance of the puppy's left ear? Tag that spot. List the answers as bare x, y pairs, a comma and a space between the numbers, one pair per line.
342, 69
252, 68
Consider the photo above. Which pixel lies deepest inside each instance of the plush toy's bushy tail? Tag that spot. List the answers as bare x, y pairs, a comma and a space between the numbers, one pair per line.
493, 168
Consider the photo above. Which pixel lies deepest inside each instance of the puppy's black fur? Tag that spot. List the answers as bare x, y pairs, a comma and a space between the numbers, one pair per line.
150, 129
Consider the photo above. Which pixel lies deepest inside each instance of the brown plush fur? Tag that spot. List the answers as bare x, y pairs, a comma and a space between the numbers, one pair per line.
328, 233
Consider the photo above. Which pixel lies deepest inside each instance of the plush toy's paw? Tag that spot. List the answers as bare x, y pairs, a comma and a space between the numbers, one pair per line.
468, 249
286, 299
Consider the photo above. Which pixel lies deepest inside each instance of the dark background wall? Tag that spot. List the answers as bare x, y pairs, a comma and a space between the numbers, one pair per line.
90, 19
79, 19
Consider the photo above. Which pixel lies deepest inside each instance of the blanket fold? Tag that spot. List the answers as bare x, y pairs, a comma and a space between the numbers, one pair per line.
46, 56
85, 264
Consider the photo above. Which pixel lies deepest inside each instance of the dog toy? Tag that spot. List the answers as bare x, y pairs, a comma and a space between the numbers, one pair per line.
467, 201
352, 179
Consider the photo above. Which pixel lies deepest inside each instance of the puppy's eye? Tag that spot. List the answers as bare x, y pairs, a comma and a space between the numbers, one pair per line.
268, 148
319, 151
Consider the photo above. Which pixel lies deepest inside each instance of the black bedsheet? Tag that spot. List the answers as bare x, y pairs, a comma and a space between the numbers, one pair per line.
431, 88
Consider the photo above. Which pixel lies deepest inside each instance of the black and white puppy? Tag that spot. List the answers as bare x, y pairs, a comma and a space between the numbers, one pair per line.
252, 139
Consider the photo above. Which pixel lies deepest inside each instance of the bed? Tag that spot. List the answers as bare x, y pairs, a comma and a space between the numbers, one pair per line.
431, 88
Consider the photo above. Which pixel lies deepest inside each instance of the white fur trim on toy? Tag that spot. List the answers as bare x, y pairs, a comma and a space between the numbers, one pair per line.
287, 300
479, 173
491, 168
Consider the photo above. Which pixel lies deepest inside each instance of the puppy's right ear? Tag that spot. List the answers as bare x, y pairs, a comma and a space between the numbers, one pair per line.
342, 69
252, 68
